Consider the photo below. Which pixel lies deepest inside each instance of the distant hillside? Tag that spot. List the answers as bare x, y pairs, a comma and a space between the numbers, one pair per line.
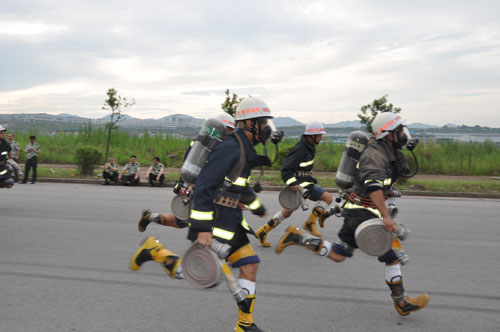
71, 116
124, 117
345, 124
281, 122
418, 125
175, 117
176, 122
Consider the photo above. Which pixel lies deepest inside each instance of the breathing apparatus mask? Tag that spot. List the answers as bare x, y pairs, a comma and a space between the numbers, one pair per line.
402, 139
263, 129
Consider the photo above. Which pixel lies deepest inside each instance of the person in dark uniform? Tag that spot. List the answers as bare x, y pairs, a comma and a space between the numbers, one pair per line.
296, 173
216, 211
5, 178
4, 145
168, 219
5, 153
380, 166
32, 151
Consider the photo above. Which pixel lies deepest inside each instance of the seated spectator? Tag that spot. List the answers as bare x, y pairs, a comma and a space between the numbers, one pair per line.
14, 161
110, 171
155, 172
132, 168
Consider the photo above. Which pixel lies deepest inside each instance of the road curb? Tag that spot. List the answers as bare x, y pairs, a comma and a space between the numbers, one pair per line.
278, 188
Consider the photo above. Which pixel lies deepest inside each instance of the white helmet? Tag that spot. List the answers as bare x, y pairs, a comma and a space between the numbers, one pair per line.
2, 128
314, 128
252, 108
384, 123
226, 119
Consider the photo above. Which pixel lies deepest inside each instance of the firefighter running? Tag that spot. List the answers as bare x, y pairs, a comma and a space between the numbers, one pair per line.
216, 208
180, 188
296, 173
380, 166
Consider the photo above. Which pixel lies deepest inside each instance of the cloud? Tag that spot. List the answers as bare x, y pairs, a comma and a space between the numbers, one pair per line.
306, 59
19, 28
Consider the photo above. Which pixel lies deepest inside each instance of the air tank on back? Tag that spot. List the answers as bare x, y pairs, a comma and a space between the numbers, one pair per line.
210, 134
346, 173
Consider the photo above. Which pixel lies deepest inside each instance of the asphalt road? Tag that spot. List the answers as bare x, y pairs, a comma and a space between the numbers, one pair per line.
65, 251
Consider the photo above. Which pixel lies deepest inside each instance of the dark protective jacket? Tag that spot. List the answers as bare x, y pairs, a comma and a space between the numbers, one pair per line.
380, 166
298, 162
4, 155
221, 161
4, 171
5, 146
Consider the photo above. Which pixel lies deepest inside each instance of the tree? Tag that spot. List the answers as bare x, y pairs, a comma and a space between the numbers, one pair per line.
370, 111
114, 103
231, 103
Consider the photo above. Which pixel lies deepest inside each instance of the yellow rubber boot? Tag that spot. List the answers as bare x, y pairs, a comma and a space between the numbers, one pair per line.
403, 304
152, 249
310, 224
144, 220
245, 321
264, 230
412, 304
326, 214
171, 263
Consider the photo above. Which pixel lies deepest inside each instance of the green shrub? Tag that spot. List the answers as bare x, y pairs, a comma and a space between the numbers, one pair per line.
86, 158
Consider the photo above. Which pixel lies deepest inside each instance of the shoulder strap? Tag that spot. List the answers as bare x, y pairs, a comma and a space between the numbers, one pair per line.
236, 171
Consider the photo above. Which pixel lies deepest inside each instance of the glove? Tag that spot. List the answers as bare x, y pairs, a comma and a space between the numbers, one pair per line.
260, 211
277, 136
261, 161
177, 188
412, 144
393, 192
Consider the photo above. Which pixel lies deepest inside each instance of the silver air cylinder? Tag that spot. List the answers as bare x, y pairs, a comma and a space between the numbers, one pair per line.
210, 135
346, 173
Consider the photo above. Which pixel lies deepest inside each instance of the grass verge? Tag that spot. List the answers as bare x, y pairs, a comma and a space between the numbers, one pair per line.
486, 185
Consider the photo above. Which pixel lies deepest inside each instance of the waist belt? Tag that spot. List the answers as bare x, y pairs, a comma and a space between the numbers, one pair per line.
303, 173
359, 200
227, 201
227, 198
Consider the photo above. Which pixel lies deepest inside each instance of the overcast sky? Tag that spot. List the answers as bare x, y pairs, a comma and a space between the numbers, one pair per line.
311, 60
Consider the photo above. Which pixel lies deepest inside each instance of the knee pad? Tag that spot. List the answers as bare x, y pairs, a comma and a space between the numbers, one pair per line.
342, 248
243, 256
388, 257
